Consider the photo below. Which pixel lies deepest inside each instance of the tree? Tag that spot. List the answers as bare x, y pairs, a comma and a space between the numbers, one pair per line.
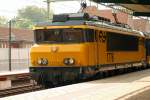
24, 23
3, 21
30, 15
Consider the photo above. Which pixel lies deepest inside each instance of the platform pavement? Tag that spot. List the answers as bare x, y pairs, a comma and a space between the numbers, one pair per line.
113, 88
6, 77
6, 73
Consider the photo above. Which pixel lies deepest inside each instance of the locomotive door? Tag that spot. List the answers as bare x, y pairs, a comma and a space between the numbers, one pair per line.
98, 46
100, 38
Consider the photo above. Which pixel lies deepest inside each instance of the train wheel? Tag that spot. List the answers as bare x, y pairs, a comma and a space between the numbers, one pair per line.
116, 71
48, 84
105, 74
98, 75
111, 72
121, 71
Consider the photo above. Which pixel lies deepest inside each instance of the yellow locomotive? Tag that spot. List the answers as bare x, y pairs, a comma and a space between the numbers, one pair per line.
77, 46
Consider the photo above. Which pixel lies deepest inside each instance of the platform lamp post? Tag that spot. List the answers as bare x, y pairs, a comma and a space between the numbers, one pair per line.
10, 31
9, 53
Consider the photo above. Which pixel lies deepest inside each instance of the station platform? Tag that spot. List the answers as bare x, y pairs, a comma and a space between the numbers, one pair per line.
6, 77
113, 88
14, 72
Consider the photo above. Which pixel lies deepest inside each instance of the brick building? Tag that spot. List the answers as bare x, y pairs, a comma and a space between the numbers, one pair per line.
138, 24
21, 38
141, 24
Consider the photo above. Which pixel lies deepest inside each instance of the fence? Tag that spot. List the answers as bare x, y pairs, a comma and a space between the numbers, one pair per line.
19, 58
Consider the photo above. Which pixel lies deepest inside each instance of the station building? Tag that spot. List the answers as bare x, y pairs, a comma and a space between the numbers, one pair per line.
21, 38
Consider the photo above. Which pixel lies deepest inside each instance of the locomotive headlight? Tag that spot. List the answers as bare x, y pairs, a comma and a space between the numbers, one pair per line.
69, 61
39, 61
42, 61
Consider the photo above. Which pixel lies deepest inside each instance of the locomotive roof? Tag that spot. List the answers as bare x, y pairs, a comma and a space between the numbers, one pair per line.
66, 23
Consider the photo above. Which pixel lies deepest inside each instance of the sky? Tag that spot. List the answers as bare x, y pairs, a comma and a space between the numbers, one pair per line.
8, 8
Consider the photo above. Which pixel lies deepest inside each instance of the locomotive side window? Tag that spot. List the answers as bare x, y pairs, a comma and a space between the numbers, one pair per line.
121, 42
148, 47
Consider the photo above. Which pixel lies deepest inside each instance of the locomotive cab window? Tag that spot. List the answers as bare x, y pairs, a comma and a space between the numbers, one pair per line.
73, 35
89, 35
47, 36
59, 35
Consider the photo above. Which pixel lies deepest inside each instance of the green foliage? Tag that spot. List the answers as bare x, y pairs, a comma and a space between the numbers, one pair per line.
30, 16
24, 23
3, 21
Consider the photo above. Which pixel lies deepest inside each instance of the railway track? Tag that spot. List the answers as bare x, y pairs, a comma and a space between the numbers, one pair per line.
19, 90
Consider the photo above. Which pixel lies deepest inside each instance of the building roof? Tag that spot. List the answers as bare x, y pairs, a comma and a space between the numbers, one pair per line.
17, 34
139, 7
107, 13
137, 24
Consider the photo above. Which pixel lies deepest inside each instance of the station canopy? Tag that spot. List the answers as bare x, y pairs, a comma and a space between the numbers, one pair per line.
139, 7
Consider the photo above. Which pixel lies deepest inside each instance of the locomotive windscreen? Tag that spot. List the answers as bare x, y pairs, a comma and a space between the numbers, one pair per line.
59, 35
121, 42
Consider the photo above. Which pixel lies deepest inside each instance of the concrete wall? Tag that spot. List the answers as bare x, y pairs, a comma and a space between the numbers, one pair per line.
16, 53
5, 84
20, 59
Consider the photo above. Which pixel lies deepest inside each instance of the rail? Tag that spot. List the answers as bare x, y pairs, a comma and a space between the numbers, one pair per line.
19, 90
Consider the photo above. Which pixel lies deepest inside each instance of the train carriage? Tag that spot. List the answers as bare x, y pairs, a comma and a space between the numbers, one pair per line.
77, 46
147, 46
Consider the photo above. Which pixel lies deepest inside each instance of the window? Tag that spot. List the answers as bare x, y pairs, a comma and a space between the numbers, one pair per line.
148, 47
121, 42
73, 35
90, 35
59, 36
48, 36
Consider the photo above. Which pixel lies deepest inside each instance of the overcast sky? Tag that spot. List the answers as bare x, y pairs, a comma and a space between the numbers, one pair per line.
9, 8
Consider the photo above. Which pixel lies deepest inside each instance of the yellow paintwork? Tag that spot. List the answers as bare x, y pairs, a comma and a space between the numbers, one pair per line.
148, 60
148, 57
77, 51
87, 27
119, 56
59, 27
85, 54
